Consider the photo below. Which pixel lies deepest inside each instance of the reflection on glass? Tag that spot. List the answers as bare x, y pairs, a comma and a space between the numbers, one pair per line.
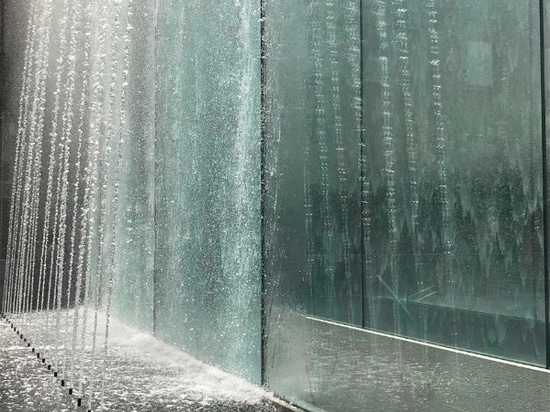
405, 170
314, 60
454, 174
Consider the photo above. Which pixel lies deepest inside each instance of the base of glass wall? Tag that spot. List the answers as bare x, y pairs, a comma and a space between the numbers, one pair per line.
507, 336
322, 365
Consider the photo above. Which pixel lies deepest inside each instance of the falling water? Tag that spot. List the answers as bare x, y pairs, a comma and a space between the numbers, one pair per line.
405, 71
308, 209
440, 139
352, 22
353, 38
67, 126
23, 109
104, 86
340, 149
16, 268
242, 233
389, 156
118, 94
402, 34
36, 127
66, 243
41, 342
68, 122
91, 202
76, 262
50, 246
64, 213
317, 41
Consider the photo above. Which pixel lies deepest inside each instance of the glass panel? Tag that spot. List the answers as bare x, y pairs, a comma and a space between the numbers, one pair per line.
454, 174
313, 200
313, 204
440, 198
134, 290
207, 262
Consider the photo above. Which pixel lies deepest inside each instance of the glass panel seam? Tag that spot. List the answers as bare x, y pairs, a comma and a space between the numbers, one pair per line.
544, 184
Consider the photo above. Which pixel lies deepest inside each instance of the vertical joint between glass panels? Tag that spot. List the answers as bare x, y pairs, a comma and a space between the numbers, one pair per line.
263, 176
544, 183
363, 160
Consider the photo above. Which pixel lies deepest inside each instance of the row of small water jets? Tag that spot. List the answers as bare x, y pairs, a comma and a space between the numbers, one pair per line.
64, 202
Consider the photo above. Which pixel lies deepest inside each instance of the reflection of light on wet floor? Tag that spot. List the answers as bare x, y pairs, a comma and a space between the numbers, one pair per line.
143, 374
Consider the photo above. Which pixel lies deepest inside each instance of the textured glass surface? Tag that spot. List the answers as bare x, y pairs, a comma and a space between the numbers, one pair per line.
454, 174
330, 367
403, 175
207, 260
313, 204
134, 292
416, 210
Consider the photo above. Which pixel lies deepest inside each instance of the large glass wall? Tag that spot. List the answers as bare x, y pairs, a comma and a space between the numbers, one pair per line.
405, 186
454, 174
314, 187
401, 147
405, 189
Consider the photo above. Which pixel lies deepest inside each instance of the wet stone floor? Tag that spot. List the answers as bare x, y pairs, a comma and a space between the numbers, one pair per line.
145, 384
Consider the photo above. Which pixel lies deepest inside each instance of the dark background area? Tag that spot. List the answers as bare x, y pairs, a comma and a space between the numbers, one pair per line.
13, 25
